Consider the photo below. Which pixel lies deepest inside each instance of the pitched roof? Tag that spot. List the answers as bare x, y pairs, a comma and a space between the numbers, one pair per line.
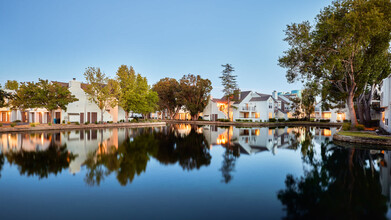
282, 100
243, 95
260, 99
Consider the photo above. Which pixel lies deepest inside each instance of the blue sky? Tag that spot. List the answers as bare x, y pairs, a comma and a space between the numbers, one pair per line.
57, 40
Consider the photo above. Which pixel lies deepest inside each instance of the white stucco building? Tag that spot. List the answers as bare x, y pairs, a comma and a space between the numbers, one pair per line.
385, 103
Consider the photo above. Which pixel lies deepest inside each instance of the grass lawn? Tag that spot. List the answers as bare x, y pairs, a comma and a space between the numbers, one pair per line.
363, 134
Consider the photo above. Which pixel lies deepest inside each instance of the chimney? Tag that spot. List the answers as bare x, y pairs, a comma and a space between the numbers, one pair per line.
74, 79
274, 94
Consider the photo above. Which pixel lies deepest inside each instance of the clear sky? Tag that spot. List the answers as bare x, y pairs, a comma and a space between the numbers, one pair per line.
57, 40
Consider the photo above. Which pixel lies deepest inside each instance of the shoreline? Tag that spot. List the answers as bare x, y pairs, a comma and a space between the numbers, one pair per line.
256, 124
378, 141
62, 127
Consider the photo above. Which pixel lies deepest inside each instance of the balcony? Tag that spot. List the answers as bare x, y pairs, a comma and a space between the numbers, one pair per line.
248, 108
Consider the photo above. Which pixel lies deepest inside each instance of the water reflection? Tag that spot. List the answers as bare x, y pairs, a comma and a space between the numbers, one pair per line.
340, 182
348, 182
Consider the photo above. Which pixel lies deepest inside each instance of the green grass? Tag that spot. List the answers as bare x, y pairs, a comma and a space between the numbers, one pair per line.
363, 134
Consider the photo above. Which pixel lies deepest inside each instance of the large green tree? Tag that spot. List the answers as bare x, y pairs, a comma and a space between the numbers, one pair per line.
230, 86
52, 96
100, 89
168, 90
195, 93
4, 97
346, 49
126, 78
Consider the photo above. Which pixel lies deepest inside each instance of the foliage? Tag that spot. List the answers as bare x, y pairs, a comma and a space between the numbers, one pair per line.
345, 50
360, 127
281, 119
100, 89
223, 120
346, 126
272, 120
168, 90
195, 93
11, 85
229, 84
4, 97
134, 92
13, 124
364, 135
324, 120
32, 124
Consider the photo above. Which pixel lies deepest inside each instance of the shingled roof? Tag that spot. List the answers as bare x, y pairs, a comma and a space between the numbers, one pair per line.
243, 95
260, 99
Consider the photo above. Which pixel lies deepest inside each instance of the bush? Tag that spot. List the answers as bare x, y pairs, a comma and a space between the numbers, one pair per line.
109, 122
346, 126
96, 122
13, 124
360, 127
293, 119
63, 121
312, 119
77, 123
69, 122
324, 120
17, 121
223, 120
50, 124
1, 125
281, 119
238, 120
86, 123
346, 120
134, 120
272, 120
32, 124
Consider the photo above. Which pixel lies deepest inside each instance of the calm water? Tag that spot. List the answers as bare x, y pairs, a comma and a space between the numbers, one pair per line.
185, 172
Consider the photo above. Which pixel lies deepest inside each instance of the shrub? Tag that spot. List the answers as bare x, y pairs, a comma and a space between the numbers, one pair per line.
360, 127
1, 125
17, 121
32, 124
312, 119
49, 123
238, 120
324, 120
109, 122
134, 120
281, 119
223, 120
63, 121
346, 126
13, 124
68, 122
86, 123
272, 120
77, 123
96, 122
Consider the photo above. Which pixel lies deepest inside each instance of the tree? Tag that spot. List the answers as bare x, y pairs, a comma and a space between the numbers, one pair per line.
296, 107
43, 94
345, 50
146, 99
11, 85
52, 96
308, 100
229, 83
99, 90
168, 90
195, 93
4, 97
25, 96
126, 77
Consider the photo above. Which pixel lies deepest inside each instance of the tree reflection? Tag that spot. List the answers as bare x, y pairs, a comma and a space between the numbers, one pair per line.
1, 162
132, 156
41, 163
341, 184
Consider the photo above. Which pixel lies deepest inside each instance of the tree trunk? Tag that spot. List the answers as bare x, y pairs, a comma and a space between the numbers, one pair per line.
101, 116
360, 109
228, 104
126, 116
352, 112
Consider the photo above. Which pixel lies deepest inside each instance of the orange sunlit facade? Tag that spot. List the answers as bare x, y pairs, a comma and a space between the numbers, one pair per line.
326, 115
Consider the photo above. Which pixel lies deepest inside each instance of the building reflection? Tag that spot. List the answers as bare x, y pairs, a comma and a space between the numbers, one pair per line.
255, 140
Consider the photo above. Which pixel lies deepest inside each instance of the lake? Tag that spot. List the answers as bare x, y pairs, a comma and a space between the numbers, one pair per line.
188, 172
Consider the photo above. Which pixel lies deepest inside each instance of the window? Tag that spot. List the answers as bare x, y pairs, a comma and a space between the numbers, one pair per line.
257, 115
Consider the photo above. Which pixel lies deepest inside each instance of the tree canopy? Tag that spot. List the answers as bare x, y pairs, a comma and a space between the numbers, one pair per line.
230, 86
100, 89
11, 85
168, 90
195, 93
346, 49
